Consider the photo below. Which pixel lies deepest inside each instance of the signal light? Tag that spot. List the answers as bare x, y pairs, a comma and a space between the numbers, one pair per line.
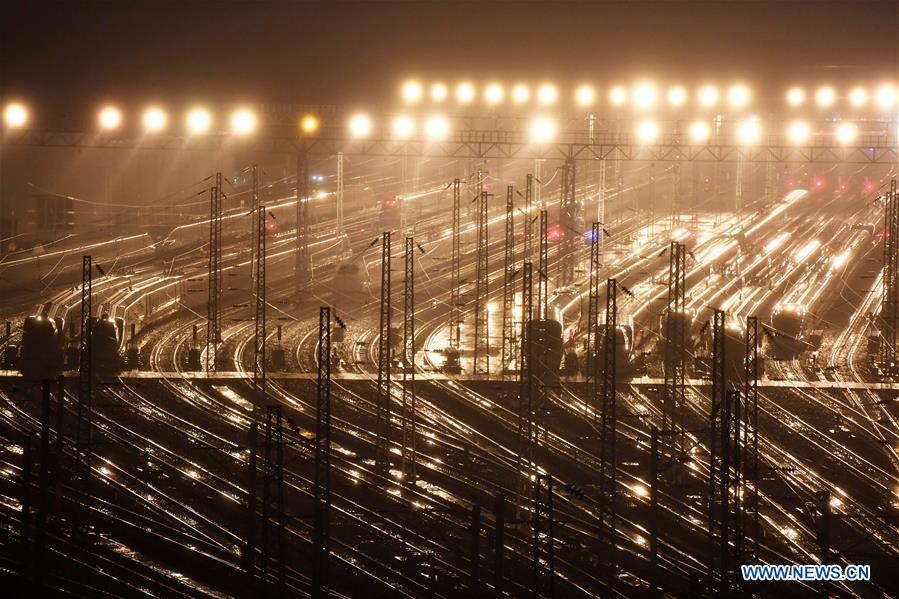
555, 234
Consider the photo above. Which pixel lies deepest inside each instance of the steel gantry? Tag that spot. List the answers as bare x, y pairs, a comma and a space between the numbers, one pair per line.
302, 258
382, 451
482, 290
408, 406
214, 280
889, 307
83, 430
675, 335
322, 493
473, 141
528, 221
608, 422
509, 342
568, 217
455, 268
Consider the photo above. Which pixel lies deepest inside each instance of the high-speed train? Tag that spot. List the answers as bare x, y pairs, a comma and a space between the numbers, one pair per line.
106, 344
788, 331
625, 364
42, 351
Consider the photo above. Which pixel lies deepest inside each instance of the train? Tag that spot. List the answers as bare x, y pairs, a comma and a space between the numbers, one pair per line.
787, 331
734, 353
390, 216
42, 349
106, 338
625, 362
545, 337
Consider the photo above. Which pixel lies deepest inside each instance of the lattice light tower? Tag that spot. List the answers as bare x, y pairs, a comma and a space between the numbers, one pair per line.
591, 349
543, 267
302, 264
214, 280
609, 422
718, 422
321, 535
675, 335
382, 457
509, 346
259, 363
408, 406
455, 268
482, 290
83, 431
889, 308
568, 212
526, 426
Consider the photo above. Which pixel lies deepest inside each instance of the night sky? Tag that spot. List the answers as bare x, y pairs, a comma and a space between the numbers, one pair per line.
65, 57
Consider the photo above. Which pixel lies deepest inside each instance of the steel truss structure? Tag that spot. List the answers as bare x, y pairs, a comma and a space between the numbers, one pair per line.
568, 217
608, 431
214, 277
509, 340
482, 290
675, 335
408, 406
83, 431
488, 144
382, 450
321, 535
889, 307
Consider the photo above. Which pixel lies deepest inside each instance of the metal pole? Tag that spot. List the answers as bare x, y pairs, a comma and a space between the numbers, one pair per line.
85, 374
214, 280
303, 265
544, 567
482, 290
719, 386
568, 212
526, 432
654, 497
384, 359
608, 419
455, 290
543, 268
259, 363
508, 350
321, 532
409, 432
499, 543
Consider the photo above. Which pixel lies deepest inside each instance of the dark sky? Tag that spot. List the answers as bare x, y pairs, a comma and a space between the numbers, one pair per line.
69, 55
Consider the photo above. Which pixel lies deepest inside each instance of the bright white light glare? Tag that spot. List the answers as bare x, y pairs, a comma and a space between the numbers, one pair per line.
795, 96
437, 127
547, 93
110, 118
243, 122
617, 95
647, 131
645, 95
699, 132
199, 120
738, 96
439, 92
708, 96
749, 131
858, 96
465, 92
845, 132
640, 490
360, 125
886, 96
403, 126
154, 119
412, 91
15, 115
677, 95
825, 97
493, 93
585, 95
520, 93
798, 132
543, 129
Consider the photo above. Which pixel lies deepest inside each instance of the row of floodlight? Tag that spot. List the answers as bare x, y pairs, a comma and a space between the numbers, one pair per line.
644, 95
198, 120
437, 127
